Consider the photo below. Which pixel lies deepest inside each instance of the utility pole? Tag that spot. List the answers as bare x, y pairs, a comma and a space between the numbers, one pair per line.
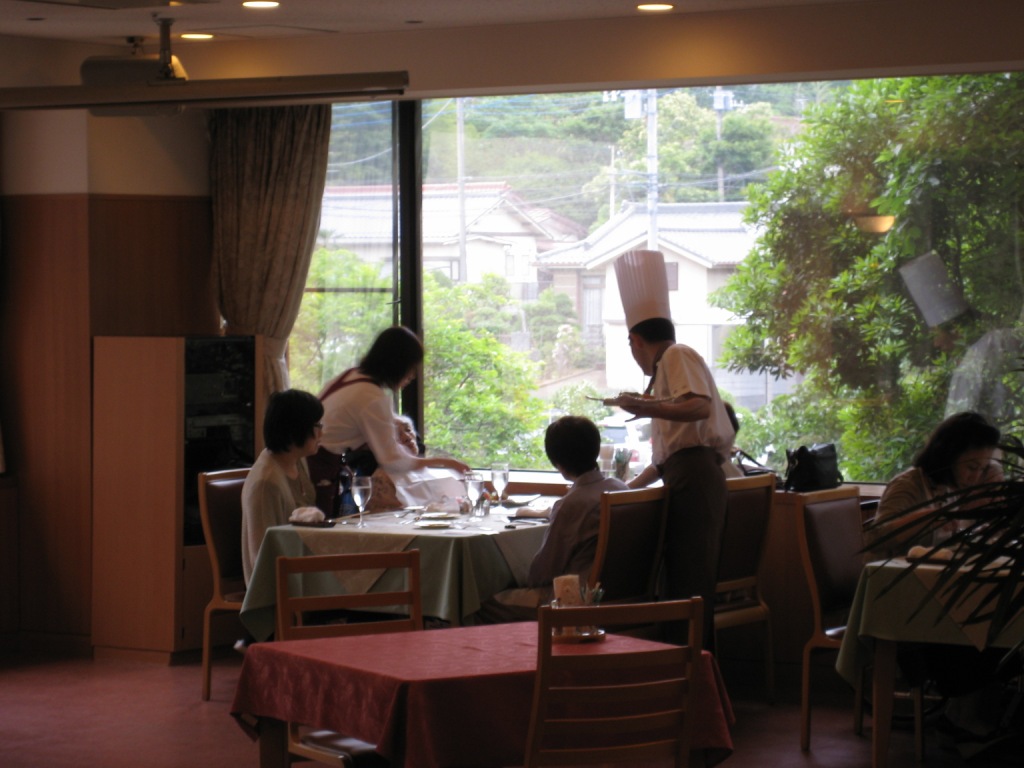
460, 166
652, 169
723, 103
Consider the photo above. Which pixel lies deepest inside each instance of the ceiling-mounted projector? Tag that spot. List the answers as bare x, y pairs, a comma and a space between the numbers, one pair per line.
156, 70
143, 85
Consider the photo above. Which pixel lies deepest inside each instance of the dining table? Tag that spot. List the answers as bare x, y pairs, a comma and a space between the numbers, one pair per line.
463, 560
439, 698
891, 607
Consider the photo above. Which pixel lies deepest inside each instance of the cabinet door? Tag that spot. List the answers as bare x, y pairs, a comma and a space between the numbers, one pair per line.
138, 413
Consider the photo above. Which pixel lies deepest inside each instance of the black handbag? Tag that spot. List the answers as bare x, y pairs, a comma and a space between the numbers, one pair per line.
812, 469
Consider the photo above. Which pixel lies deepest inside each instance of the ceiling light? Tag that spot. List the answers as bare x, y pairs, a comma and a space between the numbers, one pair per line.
196, 36
655, 7
261, 3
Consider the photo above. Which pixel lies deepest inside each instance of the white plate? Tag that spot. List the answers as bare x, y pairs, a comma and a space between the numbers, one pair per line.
433, 524
438, 516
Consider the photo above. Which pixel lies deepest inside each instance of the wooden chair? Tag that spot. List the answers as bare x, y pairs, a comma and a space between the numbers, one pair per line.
738, 591
629, 707
629, 544
220, 510
328, 746
830, 540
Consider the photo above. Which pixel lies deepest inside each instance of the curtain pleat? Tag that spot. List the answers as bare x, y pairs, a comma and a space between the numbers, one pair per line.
267, 172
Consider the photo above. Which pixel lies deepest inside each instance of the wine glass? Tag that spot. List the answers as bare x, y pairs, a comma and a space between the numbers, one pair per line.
499, 479
361, 488
474, 487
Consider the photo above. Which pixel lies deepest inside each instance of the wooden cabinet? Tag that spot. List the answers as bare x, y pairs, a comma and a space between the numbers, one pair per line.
151, 578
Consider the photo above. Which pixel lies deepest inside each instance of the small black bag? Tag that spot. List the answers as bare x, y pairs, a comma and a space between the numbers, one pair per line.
812, 469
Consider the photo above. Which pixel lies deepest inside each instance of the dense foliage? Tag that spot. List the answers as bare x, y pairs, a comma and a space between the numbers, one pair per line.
822, 298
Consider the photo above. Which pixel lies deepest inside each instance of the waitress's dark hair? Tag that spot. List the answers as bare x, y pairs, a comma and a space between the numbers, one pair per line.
290, 419
954, 436
394, 352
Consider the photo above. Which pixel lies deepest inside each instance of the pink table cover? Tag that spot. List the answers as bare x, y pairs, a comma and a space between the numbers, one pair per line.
435, 699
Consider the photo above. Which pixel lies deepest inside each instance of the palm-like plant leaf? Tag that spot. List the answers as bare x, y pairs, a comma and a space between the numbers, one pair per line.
987, 561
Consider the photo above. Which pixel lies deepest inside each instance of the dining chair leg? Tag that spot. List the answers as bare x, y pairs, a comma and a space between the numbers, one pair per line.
805, 701
206, 654
769, 662
858, 704
917, 696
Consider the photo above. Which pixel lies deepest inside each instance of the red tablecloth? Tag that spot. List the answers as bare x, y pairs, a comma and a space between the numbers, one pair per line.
434, 699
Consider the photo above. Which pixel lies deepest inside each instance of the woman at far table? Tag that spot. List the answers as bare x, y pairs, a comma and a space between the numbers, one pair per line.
279, 482
959, 453
359, 420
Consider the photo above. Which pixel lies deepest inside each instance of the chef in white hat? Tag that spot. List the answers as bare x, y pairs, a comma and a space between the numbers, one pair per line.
691, 434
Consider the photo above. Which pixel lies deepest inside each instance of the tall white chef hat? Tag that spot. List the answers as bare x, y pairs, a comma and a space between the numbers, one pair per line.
642, 286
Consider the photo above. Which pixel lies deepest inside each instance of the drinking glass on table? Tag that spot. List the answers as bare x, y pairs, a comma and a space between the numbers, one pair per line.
499, 479
474, 487
361, 488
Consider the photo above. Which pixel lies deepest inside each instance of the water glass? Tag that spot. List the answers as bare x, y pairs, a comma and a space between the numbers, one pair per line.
499, 479
474, 488
361, 489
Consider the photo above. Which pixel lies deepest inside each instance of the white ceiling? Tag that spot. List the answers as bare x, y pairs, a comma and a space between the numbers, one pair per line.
112, 21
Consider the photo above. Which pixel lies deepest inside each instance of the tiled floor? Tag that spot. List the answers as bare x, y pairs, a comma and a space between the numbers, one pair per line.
118, 714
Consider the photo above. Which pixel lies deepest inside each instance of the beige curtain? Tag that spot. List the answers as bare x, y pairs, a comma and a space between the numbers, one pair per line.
267, 172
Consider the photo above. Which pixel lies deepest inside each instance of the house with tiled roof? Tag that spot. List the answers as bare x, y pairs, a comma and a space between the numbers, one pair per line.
504, 234
702, 244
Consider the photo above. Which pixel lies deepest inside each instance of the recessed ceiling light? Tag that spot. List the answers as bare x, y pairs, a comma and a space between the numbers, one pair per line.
261, 3
655, 7
196, 36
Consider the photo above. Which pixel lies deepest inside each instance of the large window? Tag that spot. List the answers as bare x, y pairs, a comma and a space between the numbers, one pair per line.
845, 255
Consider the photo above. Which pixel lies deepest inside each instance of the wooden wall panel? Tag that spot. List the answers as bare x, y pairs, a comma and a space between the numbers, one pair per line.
150, 266
47, 421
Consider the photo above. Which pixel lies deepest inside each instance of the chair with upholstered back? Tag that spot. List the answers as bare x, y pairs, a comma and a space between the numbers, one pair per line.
220, 510
738, 598
294, 607
829, 539
629, 544
632, 706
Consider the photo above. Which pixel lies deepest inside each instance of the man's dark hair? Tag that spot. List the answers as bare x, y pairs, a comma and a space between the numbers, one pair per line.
655, 329
290, 419
953, 437
394, 353
573, 443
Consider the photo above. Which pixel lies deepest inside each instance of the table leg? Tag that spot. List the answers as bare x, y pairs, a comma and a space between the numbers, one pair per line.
883, 685
273, 743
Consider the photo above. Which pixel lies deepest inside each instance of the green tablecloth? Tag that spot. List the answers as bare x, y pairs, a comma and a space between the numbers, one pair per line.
874, 616
459, 567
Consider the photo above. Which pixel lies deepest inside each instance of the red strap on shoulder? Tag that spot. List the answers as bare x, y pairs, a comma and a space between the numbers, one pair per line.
343, 381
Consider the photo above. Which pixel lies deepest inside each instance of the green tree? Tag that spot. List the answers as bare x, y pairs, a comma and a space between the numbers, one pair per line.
346, 304
579, 400
478, 404
820, 297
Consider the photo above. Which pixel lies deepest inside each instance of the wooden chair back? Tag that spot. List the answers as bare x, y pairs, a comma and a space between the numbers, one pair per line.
630, 707
629, 544
401, 610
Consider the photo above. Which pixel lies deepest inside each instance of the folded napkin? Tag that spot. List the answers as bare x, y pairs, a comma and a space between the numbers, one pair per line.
928, 553
306, 515
534, 511
567, 589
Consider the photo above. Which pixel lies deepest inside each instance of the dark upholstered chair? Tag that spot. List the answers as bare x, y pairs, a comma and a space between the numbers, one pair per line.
220, 510
738, 599
629, 544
